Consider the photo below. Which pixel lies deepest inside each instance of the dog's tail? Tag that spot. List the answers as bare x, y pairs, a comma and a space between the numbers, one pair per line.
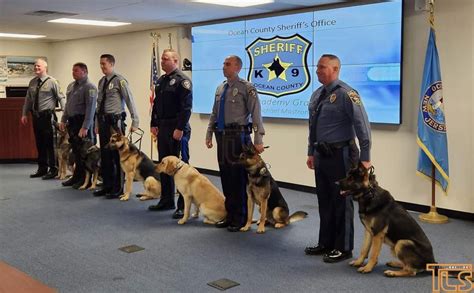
298, 216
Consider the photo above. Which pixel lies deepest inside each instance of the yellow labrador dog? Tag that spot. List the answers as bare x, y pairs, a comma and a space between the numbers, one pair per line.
196, 189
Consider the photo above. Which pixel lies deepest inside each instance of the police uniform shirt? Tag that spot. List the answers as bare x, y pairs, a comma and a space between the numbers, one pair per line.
339, 117
49, 93
173, 99
81, 100
241, 107
117, 95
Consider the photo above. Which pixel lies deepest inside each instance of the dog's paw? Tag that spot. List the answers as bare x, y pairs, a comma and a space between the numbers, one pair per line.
389, 273
244, 228
124, 197
279, 225
365, 269
260, 231
182, 222
195, 215
144, 197
357, 262
82, 187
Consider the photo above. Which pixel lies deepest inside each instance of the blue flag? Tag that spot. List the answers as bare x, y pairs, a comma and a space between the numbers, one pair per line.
431, 120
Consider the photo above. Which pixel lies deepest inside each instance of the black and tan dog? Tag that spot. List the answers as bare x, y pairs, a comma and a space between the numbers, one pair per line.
386, 221
64, 154
136, 165
90, 156
263, 190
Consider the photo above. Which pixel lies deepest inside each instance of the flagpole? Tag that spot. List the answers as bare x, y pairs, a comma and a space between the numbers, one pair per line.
433, 216
155, 37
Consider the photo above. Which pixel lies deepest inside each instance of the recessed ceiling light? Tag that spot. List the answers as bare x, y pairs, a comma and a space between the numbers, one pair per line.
22, 36
88, 22
235, 3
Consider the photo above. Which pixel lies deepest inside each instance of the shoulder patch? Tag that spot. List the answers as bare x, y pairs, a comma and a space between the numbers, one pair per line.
355, 98
123, 83
92, 92
186, 84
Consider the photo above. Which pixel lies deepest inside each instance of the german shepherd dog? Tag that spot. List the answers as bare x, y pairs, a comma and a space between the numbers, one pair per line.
90, 156
386, 221
195, 188
136, 165
263, 190
64, 154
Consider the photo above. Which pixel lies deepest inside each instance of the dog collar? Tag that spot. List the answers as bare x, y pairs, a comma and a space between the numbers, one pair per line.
178, 166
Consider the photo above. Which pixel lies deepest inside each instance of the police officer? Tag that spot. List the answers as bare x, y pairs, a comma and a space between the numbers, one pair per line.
336, 116
114, 93
170, 123
41, 98
235, 103
79, 115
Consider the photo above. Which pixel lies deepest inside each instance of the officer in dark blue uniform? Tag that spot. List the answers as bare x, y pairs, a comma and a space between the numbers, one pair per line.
79, 115
236, 112
170, 124
336, 117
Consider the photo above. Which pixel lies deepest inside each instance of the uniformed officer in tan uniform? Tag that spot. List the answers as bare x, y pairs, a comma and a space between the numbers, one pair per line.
79, 116
236, 112
114, 94
41, 98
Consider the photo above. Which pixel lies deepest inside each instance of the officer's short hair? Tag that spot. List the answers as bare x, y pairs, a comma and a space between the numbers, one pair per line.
110, 58
237, 59
332, 58
81, 65
43, 61
174, 54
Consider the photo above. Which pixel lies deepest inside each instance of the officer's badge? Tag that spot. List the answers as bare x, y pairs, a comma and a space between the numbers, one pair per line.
92, 93
235, 91
111, 86
123, 83
279, 65
186, 84
173, 81
354, 96
332, 98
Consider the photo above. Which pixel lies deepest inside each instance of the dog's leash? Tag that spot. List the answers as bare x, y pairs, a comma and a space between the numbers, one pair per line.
138, 132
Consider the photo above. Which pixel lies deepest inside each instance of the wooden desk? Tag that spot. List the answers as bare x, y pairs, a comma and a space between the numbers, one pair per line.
17, 142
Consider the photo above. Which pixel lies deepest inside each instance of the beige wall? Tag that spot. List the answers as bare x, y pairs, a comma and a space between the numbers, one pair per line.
394, 149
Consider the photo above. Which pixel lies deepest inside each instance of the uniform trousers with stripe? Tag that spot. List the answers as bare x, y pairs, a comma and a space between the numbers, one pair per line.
112, 174
233, 174
336, 212
44, 137
168, 146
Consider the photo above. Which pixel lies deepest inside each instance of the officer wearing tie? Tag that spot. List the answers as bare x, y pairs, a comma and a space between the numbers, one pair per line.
114, 93
79, 115
41, 98
236, 112
337, 116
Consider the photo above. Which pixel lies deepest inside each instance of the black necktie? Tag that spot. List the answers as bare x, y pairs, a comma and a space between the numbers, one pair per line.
102, 103
322, 96
36, 104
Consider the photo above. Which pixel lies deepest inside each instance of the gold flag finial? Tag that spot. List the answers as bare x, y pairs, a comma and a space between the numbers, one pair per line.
431, 11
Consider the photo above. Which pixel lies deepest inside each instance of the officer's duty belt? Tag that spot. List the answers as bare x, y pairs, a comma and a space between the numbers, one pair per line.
44, 113
168, 122
234, 128
112, 117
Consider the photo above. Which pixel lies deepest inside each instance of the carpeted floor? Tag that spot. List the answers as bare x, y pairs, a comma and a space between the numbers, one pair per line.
69, 240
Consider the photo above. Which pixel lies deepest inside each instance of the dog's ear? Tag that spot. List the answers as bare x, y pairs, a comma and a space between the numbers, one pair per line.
112, 130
